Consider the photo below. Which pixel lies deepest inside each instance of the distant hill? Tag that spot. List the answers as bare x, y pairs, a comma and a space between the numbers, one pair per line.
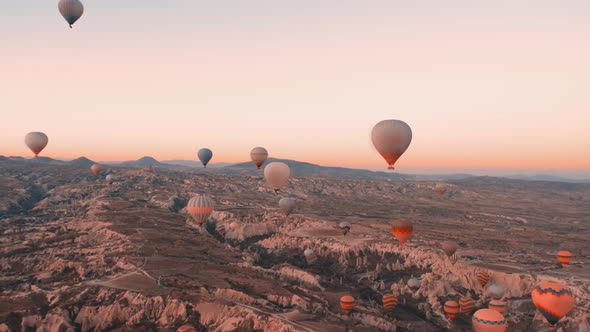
81, 162
46, 160
545, 177
303, 169
143, 162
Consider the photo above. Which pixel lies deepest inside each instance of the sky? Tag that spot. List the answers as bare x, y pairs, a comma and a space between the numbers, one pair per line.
486, 86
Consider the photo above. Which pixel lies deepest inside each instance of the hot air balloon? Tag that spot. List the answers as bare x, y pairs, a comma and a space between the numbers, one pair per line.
482, 277
402, 230
205, 156
553, 300
391, 138
186, 328
347, 303
440, 189
564, 257
287, 205
220, 228
487, 320
96, 169
310, 256
449, 248
36, 141
451, 308
200, 208
345, 226
277, 175
414, 283
467, 305
110, 179
498, 306
71, 10
389, 302
233, 225
496, 291
454, 258
259, 155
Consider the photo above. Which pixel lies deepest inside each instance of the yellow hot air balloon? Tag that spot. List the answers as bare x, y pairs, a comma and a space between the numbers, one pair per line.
553, 300
391, 138
258, 156
564, 257
277, 175
487, 320
200, 208
36, 141
96, 169
71, 10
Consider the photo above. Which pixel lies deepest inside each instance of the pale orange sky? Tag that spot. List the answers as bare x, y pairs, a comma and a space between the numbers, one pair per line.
497, 85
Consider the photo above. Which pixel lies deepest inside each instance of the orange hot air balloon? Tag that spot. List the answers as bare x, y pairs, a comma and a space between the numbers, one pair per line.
96, 169
200, 208
487, 320
347, 303
553, 300
467, 305
402, 230
389, 302
391, 138
452, 309
564, 257
186, 328
497, 305
440, 189
482, 277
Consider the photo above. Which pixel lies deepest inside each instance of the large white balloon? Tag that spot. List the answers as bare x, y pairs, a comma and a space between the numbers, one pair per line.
277, 175
36, 141
391, 138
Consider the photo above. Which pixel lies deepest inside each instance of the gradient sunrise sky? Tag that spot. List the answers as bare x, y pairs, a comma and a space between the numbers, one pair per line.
494, 86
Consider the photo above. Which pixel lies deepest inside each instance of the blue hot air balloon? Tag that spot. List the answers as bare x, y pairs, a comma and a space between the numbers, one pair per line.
205, 156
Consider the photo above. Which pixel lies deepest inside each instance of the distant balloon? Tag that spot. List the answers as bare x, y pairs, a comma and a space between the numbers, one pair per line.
452, 309
414, 283
391, 138
454, 258
467, 305
347, 303
449, 248
345, 226
440, 189
71, 10
277, 175
110, 179
287, 205
564, 257
36, 141
259, 155
205, 156
200, 208
498, 306
186, 328
496, 291
553, 300
310, 256
96, 169
220, 228
233, 225
487, 320
482, 277
389, 302
402, 230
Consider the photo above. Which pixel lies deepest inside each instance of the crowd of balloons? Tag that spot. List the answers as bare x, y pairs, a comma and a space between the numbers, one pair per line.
391, 139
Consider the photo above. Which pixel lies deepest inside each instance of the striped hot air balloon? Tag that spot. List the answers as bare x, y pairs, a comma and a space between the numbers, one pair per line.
220, 228
389, 302
553, 300
564, 257
186, 328
452, 308
482, 277
497, 305
402, 230
449, 248
200, 208
347, 303
71, 10
454, 258
467, 305
487, 320
258, 156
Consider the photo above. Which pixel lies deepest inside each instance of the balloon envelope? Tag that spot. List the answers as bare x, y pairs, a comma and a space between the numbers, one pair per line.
258, 156
71, 10
205, 156
496, 291
277, 175
96, 169
391, 138
414, 283
347, 303
452, 309
110, 178
440, 189
345, 226
402, 230
564, 257
389, 302
200, 208
467, 305
487, 320
287, 205
553, 300
36, 141
482, 277
449, 248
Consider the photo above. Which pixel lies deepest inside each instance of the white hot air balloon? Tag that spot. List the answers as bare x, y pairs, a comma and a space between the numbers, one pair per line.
277, 175
391, 138
36, 141
71, 10
287, 205
258, 155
